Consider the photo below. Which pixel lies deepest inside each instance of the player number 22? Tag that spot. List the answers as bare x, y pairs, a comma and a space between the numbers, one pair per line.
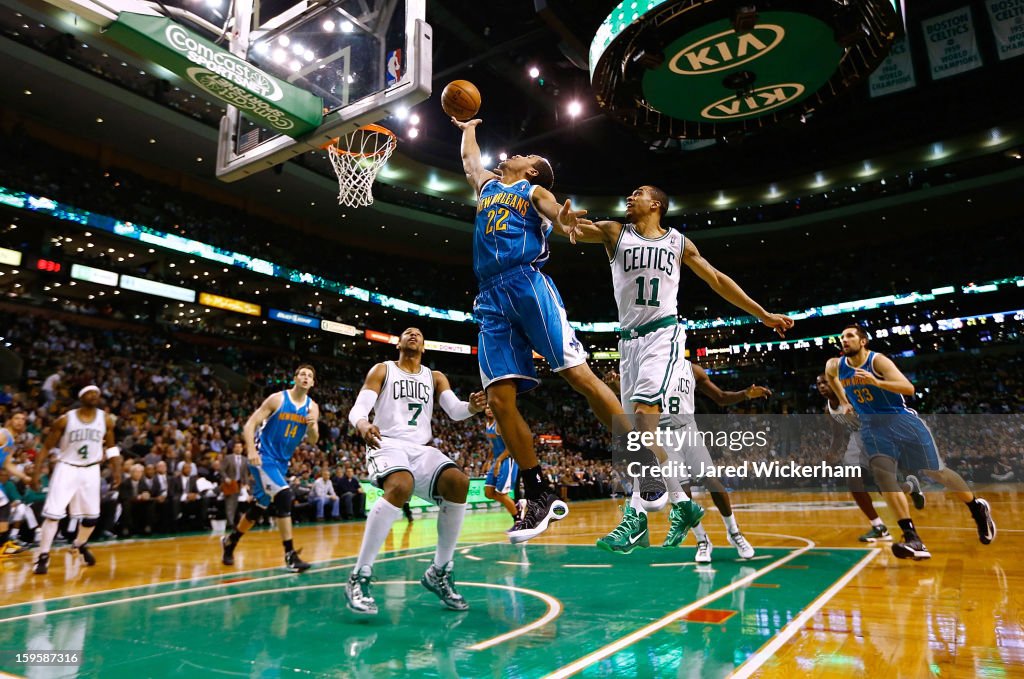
640, 289
493, 225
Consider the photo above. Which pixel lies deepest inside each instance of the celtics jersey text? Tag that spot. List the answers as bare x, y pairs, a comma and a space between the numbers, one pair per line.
679, 403
645, 275
81, 443
508, 232
282, 432
405, 405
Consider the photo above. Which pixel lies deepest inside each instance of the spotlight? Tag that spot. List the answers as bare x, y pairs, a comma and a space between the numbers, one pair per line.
534, 72
575, 108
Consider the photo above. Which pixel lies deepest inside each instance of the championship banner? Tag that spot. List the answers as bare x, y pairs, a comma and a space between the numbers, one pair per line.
897, 71
1007, 18
952, 44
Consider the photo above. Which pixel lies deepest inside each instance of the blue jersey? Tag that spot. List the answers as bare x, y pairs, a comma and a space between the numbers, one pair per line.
865, 398
281, 432
8, 447
497, 443
509, 232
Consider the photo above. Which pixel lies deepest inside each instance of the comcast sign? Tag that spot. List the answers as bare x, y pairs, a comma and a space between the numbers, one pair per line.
260, 96
225, 64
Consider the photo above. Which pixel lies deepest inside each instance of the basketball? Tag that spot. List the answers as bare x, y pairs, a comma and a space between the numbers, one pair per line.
460, 99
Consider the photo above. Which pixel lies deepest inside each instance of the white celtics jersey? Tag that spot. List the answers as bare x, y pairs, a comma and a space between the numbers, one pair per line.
82, 442
679, 402
645, 275
850, 422
405, 405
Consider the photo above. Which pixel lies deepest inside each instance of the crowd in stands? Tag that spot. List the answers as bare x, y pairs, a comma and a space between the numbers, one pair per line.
179, 427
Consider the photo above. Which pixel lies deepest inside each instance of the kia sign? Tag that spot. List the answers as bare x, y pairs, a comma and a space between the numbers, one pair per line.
778, 62
686, 70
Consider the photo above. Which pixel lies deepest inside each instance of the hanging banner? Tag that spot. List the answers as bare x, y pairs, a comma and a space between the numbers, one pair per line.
897, 71
1007, 18
952, 44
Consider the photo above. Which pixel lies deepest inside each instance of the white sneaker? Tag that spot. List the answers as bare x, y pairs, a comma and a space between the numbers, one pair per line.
743, 547
357, 593
704, 548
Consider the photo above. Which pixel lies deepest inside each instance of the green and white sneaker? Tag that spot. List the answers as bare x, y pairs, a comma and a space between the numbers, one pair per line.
684, 516
876, 534
628, 535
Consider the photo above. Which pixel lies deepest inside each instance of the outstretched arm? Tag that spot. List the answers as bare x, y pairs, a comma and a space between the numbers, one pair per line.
569, 222
456, 409
359, 416
476, 173
726, 398
730, 291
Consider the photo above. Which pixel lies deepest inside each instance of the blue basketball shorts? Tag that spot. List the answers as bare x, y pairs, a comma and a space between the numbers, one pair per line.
268, 480
519, 312
503, 481
902, 436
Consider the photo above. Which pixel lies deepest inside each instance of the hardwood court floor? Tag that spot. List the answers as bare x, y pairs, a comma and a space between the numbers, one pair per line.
814, 602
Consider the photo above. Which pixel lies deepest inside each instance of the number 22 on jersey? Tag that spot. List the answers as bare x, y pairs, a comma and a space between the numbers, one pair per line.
496, 219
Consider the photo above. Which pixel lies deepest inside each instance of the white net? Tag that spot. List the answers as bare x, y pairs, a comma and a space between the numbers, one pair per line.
357, 158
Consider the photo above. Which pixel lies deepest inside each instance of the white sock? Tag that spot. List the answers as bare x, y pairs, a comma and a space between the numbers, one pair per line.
449, 524
378, 525
83, 535
730, 523
876, 522
637, 503
14, 533
675, 491
46, 535
700, 533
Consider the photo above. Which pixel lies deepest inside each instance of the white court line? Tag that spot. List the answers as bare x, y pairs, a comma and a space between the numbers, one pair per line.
507, 563
586, 565
630, 639
755, 661
554, 605
471, 557
226, 575
159, 595
678, 563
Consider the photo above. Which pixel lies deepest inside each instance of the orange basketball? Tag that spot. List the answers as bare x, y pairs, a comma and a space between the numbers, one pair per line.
460, 99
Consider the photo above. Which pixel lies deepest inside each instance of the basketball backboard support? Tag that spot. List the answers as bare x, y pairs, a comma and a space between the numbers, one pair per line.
363, 58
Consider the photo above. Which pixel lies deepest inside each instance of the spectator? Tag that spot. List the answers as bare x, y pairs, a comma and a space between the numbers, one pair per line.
236, 476
323, 493
193, 503
137, 512
352, 495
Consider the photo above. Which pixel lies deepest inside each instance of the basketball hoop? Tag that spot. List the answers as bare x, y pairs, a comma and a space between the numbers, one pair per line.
357, 158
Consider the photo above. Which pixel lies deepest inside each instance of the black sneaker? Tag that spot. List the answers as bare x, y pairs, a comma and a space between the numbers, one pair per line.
87, 556
294, 563
911, 548
915, 492
227, 557
42, 564
536, 517
982, 514
407, 510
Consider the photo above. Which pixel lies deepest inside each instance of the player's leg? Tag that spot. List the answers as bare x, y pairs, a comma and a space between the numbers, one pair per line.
720, 496
855, 457
883, 467
58, 496
85, 506
450, 488
497, 486
283, 501
931, 464
389, 469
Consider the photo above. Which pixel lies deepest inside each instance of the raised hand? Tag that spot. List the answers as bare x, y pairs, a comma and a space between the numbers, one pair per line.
778, 322
463, 125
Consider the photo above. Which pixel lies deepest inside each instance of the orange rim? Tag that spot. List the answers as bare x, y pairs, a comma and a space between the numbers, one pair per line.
332, 145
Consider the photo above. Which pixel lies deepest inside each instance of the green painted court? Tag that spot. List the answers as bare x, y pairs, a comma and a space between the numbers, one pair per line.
536, 611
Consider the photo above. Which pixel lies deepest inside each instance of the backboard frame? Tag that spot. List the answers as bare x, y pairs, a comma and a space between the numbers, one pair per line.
413, 86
